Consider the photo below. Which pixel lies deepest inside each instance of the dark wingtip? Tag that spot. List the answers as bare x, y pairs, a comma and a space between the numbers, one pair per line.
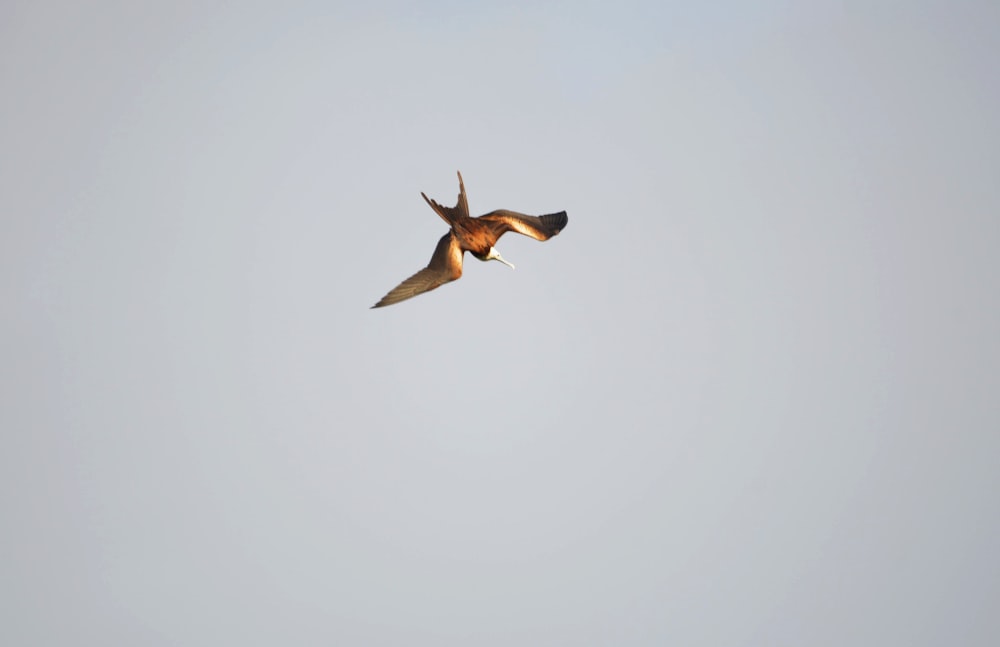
559, 220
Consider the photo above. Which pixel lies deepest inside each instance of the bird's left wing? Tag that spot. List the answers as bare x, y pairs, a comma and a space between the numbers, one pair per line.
445, 266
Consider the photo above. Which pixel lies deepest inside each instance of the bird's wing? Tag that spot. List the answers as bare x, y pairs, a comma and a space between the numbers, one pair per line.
451, 214
538, 227
445, 266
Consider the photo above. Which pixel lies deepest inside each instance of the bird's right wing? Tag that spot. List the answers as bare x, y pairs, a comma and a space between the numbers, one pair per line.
537, 227
445, 266
451, 214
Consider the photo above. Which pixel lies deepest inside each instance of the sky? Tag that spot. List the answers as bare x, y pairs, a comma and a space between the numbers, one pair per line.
747, 397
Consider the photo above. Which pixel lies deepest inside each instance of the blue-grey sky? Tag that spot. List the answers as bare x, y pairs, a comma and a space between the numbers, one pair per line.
749, 396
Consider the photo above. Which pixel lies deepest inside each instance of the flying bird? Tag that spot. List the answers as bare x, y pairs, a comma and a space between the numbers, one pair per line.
475, 235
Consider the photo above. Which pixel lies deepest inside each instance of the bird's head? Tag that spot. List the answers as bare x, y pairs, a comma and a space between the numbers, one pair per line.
494, 255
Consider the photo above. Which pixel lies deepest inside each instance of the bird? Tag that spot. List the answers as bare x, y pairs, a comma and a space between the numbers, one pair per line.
475, 235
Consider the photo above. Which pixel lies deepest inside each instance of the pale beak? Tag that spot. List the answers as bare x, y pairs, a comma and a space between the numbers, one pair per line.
501, 259
494, 255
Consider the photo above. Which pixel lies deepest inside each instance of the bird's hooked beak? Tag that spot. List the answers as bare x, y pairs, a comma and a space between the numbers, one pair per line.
494, 255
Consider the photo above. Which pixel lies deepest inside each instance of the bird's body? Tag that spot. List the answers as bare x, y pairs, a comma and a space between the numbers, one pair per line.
475, 235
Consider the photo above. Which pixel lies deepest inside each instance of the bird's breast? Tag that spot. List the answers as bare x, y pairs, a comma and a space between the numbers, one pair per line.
475, 238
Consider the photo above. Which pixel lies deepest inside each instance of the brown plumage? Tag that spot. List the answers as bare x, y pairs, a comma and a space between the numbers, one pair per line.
475, 235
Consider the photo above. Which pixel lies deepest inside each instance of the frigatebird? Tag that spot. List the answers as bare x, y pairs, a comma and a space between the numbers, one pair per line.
475, 235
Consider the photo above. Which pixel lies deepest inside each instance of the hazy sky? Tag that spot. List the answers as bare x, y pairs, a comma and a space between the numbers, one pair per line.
749, 396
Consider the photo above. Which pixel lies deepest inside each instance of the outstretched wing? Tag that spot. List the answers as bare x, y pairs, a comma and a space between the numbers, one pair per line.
445, 266
451, 214
538, 227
